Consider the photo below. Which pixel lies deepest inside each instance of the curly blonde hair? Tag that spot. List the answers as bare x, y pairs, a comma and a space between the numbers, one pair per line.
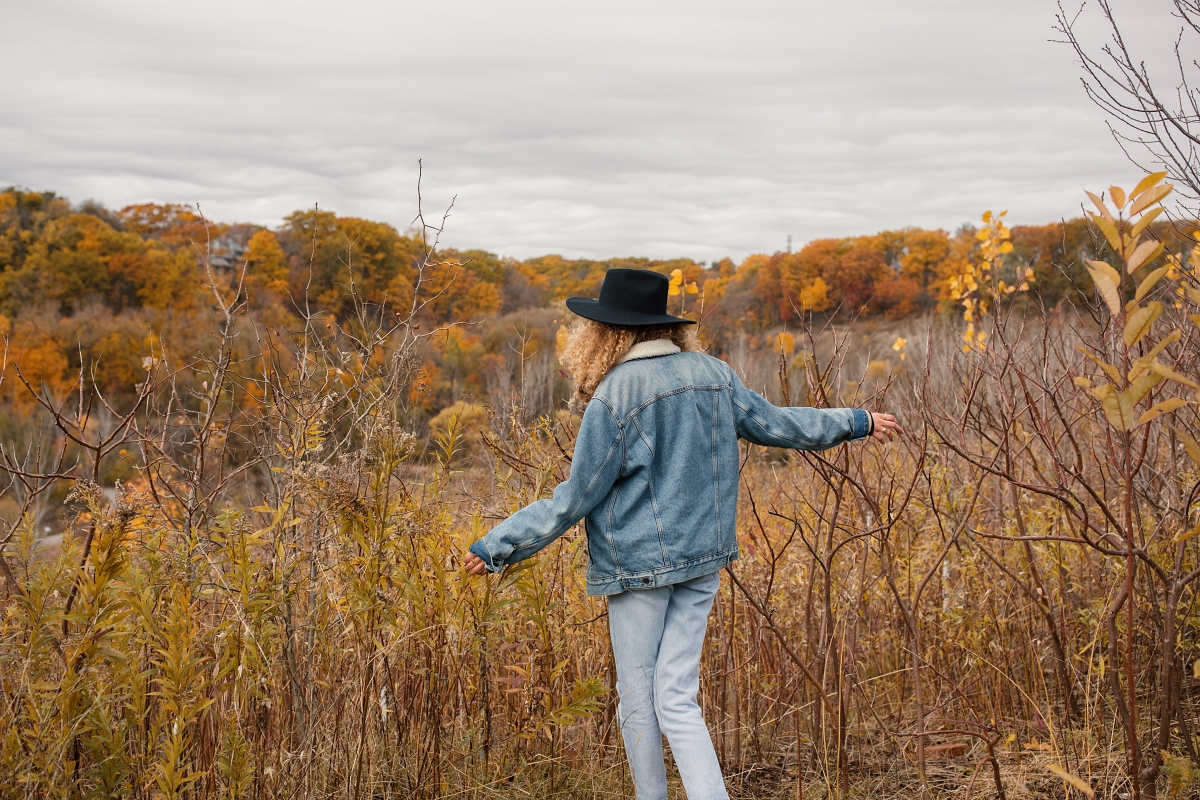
593, 348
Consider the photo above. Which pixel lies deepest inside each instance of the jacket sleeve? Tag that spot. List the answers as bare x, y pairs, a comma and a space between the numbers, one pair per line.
797, 428
595, 466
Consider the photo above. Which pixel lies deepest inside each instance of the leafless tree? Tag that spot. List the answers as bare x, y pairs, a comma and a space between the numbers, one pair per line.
1153, 116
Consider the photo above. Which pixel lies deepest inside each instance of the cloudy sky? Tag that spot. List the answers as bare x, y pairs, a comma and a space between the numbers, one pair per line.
689, 128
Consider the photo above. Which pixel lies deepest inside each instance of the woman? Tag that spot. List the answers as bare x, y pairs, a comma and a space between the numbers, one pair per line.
654, 477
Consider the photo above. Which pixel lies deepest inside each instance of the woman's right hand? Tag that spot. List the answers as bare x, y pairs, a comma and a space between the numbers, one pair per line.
473, 564
886, 427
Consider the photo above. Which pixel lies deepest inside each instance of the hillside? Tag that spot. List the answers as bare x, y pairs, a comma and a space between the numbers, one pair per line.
80, 280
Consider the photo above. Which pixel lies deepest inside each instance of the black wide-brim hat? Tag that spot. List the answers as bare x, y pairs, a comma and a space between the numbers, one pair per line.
629, 297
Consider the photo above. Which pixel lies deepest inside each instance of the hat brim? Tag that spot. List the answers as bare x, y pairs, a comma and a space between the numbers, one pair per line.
596, 311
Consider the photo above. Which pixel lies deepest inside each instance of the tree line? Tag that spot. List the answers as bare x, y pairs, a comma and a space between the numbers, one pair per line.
83, 284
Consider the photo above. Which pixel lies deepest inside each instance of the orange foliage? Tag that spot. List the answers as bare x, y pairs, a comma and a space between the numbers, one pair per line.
41, 361
266, 263
860, 269
100, 279
173, 224
897, 296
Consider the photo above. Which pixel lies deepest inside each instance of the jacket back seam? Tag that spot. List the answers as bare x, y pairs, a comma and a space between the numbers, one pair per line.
691, 387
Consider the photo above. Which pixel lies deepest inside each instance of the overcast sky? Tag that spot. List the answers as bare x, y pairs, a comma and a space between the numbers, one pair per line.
689, 128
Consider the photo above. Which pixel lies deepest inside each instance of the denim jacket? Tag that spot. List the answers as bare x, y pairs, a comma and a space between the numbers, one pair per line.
655, 470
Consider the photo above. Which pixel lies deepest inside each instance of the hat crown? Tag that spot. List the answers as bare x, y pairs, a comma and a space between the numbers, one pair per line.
630, 297
635, 290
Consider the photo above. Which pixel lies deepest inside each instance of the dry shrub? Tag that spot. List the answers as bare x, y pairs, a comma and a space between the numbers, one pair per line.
272, 607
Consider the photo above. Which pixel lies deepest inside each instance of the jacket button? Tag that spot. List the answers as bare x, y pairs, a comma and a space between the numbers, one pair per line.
645, 580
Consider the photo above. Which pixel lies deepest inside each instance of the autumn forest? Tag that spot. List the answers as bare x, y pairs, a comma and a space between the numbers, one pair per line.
240, 468
81, 282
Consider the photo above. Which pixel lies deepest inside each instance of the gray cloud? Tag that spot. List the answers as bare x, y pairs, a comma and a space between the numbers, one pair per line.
664, 128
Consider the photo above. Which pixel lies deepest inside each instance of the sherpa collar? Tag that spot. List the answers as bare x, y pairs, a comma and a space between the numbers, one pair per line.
655, 347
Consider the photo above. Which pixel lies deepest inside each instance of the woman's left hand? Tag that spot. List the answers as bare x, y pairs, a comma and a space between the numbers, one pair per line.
473, 564
886, 427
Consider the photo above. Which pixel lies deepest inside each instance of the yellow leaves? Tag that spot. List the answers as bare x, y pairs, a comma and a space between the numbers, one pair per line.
1077, 783
1174, 268
1145, 183
1142, 223
1143, 363
678, 285
1149, 198
1109, 229
1103, 209
974, 339
1183, 537
1145, 194
1107, 281
990, 218
1146, 285
1106, 269
1137, 254
562, 337
1170, 374
1109, 369
1118, 406
1142, 386
967, 287
785, 342
1189, 443
899, 346
1146, 372
995, 237
815, 296
1158, 409
265, 259
1139, 322
1145, 252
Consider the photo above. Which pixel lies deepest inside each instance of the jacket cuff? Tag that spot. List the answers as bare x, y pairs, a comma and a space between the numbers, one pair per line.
481, 551
863, 425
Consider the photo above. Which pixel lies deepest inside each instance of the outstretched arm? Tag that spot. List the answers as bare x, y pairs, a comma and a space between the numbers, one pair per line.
595, 466
802, 428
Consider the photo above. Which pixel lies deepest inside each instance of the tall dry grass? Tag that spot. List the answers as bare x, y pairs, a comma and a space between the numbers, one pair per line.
272, 606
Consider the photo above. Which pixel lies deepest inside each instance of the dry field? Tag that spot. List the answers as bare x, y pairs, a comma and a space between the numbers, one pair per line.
1001, 604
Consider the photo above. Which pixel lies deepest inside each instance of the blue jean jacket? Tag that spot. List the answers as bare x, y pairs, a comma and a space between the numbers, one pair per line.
655, 472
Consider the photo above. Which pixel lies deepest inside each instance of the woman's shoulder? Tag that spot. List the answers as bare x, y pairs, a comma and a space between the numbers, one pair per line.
710, 360
639, 381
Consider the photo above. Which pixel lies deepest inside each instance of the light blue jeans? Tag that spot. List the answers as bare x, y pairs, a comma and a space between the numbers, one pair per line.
657, 636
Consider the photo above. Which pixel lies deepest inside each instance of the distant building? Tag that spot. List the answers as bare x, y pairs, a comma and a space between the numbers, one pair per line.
227, 251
